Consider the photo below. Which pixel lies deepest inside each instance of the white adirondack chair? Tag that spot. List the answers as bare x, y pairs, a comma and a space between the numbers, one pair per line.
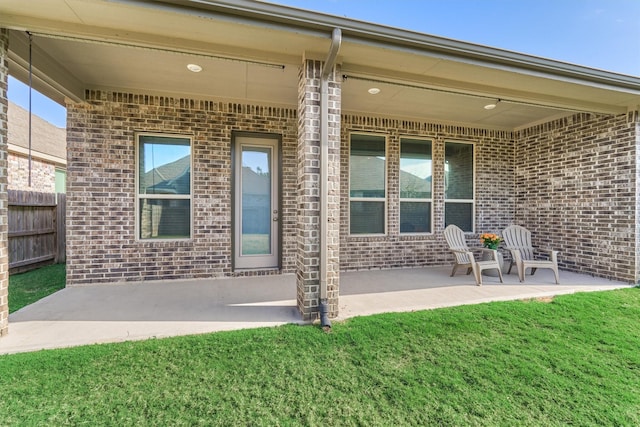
518, 241
464, 257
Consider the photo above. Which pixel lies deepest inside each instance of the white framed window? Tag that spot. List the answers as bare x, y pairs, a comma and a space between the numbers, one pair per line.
459, 180
367, 184
164, 186
415, 185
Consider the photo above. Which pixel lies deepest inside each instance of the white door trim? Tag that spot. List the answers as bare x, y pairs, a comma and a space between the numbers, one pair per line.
256, 237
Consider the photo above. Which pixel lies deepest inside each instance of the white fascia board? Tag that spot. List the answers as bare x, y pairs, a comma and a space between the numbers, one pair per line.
58, 161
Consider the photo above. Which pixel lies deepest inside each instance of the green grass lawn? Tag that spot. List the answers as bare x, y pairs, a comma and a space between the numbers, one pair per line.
572, 361
27, 288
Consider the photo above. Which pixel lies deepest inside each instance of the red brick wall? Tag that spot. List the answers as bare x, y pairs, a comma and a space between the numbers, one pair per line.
101, 241
577, 191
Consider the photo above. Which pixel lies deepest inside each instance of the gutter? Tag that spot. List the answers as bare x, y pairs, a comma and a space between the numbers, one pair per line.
327, 67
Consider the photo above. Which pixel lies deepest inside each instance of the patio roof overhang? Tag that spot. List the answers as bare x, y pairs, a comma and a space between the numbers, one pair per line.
251, 52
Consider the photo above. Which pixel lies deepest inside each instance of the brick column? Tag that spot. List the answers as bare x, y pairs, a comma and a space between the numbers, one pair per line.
4, 256
309, 238
635, 119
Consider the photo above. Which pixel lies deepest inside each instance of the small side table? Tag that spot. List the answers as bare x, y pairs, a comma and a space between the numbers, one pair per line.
486, 257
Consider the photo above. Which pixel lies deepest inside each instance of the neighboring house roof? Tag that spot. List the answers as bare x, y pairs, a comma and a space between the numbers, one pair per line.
367, 174
175, 178
170, 178
251, 51
48, 142
181, 184
254, 182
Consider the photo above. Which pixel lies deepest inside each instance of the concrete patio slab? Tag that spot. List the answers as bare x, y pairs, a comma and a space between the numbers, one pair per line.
374, 292
122, 312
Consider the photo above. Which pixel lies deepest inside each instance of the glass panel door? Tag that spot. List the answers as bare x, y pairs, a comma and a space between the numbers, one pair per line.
256, 203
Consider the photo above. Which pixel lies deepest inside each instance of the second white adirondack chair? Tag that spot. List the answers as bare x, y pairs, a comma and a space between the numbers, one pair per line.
518, 241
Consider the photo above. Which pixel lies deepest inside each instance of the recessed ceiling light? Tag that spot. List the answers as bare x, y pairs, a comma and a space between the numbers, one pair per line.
374, 91
194, 67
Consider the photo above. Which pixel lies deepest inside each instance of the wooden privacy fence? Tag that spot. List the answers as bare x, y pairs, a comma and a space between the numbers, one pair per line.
36, 229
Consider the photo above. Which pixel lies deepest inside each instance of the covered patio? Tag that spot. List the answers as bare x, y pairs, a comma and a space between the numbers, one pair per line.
339, 113
126, 312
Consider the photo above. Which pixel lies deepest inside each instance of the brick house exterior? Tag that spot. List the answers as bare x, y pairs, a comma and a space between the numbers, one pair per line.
570, 177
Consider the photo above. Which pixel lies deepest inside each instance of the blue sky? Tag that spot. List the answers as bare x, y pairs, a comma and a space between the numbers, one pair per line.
602, 34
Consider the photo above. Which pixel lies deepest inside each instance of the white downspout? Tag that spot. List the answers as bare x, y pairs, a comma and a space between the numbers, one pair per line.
329, 63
